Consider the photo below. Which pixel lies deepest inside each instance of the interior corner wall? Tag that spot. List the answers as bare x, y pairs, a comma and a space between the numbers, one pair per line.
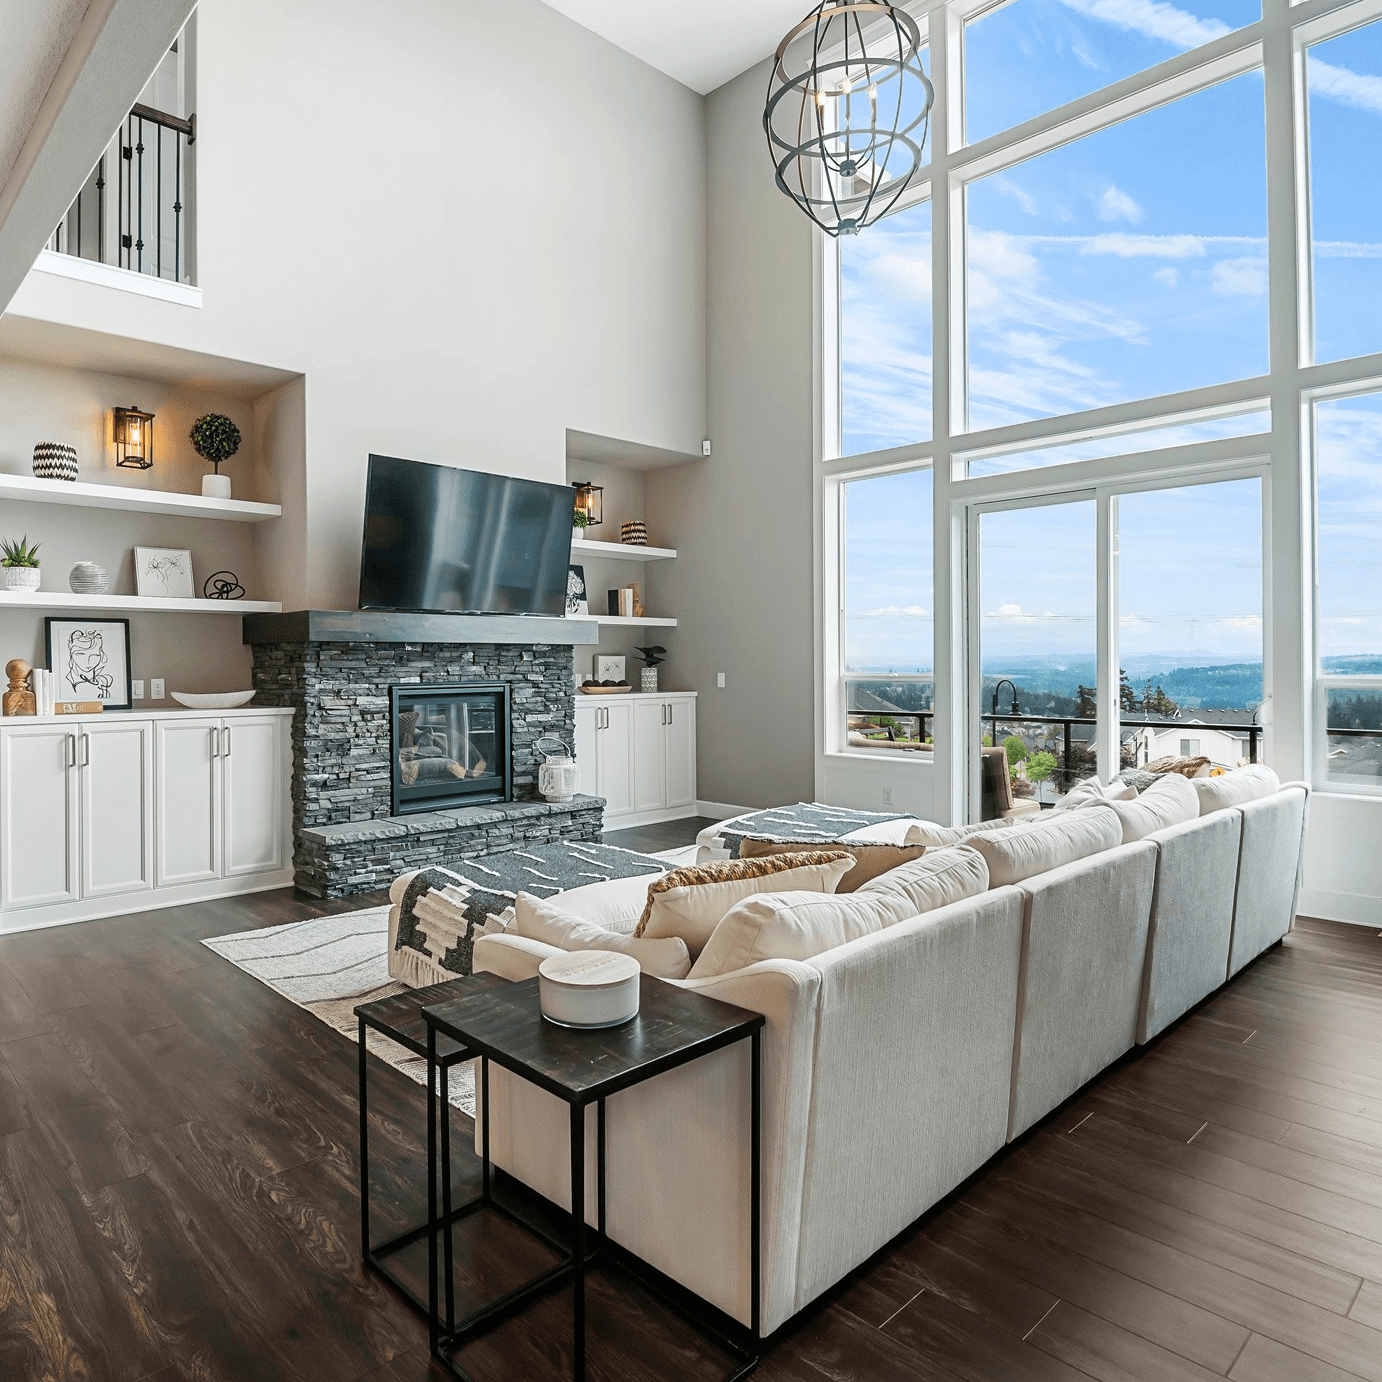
742, 521
470, 227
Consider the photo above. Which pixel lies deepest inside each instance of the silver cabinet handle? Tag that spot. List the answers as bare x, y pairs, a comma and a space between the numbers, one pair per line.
215, 741
69, 750
86, 751
225, 741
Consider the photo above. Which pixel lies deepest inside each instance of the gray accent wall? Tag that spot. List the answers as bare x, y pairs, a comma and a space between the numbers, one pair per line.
741, 522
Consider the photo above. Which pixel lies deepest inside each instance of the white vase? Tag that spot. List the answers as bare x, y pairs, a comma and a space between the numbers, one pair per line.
22, 578
648, 679
216, 486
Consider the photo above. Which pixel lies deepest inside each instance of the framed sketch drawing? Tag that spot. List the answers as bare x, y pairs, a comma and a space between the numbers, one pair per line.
577, 601
90, 660
163, 573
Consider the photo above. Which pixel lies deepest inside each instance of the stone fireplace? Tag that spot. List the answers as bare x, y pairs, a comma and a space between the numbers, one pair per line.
345, 672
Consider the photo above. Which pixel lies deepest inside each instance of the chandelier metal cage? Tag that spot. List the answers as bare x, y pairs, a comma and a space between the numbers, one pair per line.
848, 110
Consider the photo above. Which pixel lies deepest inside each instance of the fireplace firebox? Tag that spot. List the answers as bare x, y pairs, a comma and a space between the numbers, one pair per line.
450, 745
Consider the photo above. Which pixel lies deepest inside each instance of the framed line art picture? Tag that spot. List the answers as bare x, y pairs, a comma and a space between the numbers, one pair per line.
163, 573
89, 660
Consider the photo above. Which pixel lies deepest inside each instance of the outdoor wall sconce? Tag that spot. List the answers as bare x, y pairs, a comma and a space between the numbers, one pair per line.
590, 501
134, 438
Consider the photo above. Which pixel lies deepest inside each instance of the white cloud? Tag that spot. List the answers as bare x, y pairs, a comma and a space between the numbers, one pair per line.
1116, 205
1349, 88
1127, 246
896, 612
1154, 19
1015, 614
1240, 277
1023, 198
1168, 278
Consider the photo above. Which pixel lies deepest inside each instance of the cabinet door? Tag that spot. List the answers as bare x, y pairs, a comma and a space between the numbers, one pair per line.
38, 816
681, 753
587, 747
615, 756
115, 768
188, 813
254, 793
649, 770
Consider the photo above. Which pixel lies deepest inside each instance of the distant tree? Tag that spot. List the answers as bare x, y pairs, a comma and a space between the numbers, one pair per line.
1163, 705
1148, 697
987, 741
1127, 697
1017, 750
1040, 766
1087, 706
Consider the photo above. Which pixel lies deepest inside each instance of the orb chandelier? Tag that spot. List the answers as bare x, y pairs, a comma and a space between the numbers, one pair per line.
847, 113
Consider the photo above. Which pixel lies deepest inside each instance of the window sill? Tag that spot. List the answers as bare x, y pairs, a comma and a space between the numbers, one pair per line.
123, 280
910, 762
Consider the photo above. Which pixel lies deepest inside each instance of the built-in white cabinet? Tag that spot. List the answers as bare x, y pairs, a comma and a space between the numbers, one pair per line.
638, 752
117, 813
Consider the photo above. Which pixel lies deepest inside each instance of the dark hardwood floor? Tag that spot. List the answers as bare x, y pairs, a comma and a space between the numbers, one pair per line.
178, 1196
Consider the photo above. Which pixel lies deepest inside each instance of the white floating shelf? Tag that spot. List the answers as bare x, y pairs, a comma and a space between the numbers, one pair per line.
56, 599
627, 620
621, 551
32, 490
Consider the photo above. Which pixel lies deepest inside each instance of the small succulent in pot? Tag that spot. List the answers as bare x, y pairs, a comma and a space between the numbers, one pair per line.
580, 519
215, 438
20, 563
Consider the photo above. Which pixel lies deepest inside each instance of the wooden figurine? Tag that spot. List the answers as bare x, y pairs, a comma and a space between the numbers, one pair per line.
19, 700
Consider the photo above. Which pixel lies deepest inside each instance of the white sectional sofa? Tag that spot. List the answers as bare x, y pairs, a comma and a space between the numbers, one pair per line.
896, 1065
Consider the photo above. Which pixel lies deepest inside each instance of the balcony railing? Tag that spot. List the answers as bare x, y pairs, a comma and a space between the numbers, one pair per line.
133, 213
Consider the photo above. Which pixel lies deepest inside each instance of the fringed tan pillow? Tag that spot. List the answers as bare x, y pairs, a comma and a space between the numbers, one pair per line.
869, 859
689, 902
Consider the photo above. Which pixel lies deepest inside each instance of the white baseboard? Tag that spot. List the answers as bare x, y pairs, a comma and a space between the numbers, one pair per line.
151, 900
720, 810
631, 820
1359, 909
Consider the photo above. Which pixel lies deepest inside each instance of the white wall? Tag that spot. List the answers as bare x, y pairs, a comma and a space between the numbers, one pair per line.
470, 227
742, 521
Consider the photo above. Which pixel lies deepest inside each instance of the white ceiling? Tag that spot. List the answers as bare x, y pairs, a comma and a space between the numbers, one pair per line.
702, 43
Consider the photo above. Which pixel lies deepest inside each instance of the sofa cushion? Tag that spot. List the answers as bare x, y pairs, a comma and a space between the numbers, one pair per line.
902, 831
929, 833
542, 919
869, 859
1091, 792
794, 926
1026, 850
615, 903
689, 902
940, 877
1170, 800
1235, 788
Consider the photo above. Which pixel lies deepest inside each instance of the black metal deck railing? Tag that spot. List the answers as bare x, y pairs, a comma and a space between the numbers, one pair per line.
132, 213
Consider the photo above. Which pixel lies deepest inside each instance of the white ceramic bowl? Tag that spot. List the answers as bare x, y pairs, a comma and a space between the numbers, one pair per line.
588, 988
218, 700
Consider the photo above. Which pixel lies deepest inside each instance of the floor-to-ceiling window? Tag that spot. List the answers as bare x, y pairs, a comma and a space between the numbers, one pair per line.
1125, 338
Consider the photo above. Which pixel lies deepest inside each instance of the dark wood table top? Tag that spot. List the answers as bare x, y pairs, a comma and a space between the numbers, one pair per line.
583, 1064
400, 1017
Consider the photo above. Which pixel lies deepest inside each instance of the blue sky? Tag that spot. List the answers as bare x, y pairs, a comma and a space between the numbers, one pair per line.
1127, 264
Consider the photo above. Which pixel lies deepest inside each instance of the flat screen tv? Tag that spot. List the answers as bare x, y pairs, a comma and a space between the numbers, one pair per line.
463, 542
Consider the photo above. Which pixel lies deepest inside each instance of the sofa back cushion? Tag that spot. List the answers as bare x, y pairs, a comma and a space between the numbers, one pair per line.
870, 859
938, 878
929, 833
1235, 788
1170, 800
543, 919
689, 902
794, 926
1091, 792
1026, 850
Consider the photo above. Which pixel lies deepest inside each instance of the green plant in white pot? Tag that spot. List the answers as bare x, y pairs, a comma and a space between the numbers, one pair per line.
215, 438
19, 563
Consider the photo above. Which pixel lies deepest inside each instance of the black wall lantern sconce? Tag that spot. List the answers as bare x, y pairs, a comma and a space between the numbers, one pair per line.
590, 501
134, 438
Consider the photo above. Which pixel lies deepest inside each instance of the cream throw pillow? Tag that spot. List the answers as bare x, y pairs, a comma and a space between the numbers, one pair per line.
1027, 850
1169, 801
1091, 792
794, 926
940, 877
541, 919
869, 859
930, 833
616, 904
689, 902
1235, 788
903, 831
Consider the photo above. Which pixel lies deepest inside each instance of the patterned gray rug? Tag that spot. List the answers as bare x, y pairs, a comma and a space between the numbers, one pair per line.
805, 823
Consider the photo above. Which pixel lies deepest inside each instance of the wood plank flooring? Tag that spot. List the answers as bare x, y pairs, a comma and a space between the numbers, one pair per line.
178, 1196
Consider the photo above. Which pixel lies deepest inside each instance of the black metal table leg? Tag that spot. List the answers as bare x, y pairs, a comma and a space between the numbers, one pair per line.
600, 1170
433, 1329
756, 1185
448, 1265
578, 1241
364, 1144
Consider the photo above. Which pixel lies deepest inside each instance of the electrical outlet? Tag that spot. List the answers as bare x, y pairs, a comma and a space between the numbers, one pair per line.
156, 688
887, 796
137, 689
719, 679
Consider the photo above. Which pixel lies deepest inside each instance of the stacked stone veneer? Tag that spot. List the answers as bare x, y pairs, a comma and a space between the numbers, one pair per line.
345, 839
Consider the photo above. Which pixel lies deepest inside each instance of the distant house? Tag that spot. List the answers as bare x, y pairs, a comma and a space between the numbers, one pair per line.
1222, 736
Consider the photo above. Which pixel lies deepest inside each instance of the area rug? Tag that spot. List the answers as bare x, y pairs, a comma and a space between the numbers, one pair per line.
329, 966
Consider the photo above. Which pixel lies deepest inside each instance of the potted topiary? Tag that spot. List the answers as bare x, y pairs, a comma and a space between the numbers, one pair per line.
215, 438
20, 564
651, 657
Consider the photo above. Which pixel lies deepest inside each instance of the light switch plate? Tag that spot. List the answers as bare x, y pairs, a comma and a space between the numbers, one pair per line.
719, 678
137, 689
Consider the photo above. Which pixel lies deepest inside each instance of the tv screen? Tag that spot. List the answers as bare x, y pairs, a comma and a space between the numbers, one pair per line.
463, 542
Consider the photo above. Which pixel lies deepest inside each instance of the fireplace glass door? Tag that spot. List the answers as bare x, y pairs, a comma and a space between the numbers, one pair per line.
450, 745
